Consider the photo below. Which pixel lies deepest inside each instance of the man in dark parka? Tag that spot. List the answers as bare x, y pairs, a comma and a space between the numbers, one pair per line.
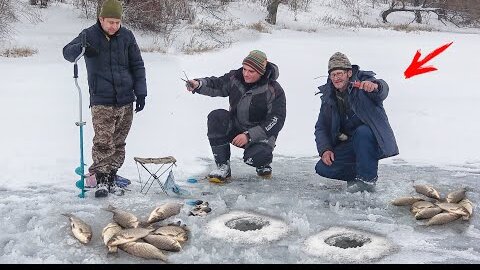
352, 131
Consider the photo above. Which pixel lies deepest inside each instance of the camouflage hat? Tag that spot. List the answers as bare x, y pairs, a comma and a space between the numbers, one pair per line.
338, 61
257, 60
111, 9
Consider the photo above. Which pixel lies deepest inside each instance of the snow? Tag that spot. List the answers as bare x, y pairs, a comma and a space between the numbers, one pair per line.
433, 117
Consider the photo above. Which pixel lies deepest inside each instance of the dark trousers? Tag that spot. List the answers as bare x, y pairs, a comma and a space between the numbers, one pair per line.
356, 157
221, 132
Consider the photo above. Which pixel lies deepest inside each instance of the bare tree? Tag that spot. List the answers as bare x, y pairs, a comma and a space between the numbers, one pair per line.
12, 11
7, 16
396, 6
43, 3
272, 8
157, 15
458, 12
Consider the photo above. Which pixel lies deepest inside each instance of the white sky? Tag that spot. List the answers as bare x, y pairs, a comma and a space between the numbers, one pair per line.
434, 116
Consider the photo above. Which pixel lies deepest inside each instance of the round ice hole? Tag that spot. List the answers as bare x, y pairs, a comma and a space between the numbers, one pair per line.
247, 223
347, 240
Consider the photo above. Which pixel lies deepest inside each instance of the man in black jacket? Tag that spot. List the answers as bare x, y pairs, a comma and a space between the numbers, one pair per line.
256, 116
116, 78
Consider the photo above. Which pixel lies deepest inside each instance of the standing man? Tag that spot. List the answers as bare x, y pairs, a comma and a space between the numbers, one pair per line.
256, 115
116, 78
352, 131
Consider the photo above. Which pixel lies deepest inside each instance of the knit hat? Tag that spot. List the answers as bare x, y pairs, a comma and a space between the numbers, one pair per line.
111, 9
257, 60
338, 61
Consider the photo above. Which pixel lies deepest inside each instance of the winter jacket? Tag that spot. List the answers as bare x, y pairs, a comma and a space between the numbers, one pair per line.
259, 108
367, 106
116, 73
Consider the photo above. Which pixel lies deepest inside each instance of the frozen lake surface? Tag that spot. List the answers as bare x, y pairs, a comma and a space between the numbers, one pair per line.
302, 207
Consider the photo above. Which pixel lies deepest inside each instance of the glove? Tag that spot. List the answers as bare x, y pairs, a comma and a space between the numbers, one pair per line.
140, 103
90, 51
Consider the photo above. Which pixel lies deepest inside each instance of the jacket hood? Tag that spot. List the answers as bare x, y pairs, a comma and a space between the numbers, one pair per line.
271, 71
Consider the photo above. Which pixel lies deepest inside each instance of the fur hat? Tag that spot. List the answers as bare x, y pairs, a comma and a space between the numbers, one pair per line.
257, 60
338, 61
111, 9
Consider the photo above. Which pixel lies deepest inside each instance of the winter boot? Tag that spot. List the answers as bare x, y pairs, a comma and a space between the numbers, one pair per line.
359, 185
112, 184
221, 153
264, 171
101, 190
221, 173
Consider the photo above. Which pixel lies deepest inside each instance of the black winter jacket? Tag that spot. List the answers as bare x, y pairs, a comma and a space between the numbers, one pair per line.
116, 74
259, 108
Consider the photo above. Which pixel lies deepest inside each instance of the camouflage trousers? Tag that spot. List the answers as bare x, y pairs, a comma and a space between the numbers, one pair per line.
111, 126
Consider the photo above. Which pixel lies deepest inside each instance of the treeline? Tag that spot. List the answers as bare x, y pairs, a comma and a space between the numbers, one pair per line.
162, 16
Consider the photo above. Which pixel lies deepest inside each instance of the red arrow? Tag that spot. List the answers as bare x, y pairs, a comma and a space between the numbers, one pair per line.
416, 68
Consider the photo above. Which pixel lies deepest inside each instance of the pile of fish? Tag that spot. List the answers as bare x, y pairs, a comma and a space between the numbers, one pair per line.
436, 209
145, 239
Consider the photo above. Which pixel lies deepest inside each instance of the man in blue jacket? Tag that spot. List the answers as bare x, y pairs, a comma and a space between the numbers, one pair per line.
256, 115
116, 78
352, 131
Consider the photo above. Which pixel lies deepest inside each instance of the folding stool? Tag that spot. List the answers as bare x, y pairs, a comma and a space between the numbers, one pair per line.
149, 165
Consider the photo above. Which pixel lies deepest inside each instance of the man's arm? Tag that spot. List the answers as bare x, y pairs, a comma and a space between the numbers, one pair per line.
215, 86
73, 49
322, 138
137, 68
381, 93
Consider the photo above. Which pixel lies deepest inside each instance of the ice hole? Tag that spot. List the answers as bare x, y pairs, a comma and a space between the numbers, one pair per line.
347, 240
247, 223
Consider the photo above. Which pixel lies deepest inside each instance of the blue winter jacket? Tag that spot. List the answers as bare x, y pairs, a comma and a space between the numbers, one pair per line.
116, 74
367, 106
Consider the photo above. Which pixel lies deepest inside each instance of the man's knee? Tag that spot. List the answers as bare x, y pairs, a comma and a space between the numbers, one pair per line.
322, 169
258, 155
218, 122
345, 172
217, 116
364, 132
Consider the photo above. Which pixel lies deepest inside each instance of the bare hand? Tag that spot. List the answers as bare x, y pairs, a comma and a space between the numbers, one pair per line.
368, 86
191, 85
240, 140
328, 157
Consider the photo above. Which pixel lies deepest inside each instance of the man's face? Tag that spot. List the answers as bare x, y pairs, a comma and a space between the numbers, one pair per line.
110, 25
250, 75
340, 78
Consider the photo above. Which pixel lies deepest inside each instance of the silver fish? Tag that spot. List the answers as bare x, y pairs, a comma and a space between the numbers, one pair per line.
428, 212
427, 191
404, 201
128, 235
456, 196
164, 211
143, 250
123, 218
81, 230
454, 208
163, 242
108, 232
179, 233
416, 207
442, 218
468, 205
